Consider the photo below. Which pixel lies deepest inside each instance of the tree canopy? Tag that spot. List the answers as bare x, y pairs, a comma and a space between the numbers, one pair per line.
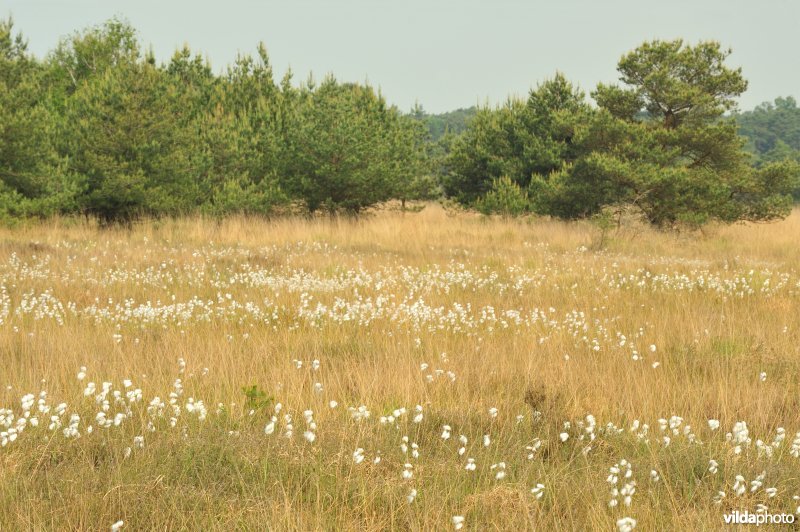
659, 144
99, 128
772, 131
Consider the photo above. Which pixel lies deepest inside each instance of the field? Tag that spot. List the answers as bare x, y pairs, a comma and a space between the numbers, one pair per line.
417, 371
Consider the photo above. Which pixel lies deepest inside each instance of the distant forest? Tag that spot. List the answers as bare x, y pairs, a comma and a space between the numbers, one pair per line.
771, 130
453, 122
99, 128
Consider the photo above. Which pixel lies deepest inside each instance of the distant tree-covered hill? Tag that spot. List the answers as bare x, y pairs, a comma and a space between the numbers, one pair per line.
772, 130
450, 122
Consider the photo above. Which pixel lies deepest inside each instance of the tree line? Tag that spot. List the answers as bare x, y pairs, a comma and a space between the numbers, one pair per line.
447, 123
98, 128
660, 143
772, 131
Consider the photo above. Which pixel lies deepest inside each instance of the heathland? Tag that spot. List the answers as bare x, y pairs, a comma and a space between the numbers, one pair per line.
399, 371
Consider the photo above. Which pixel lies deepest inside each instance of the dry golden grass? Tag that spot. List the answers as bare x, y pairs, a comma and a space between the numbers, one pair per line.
721, 307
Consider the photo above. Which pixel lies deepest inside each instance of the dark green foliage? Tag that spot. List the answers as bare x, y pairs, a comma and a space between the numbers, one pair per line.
256, 398
32, 178
124, 133
659, 145
519, 140
87, 54
439, 125
505, 198
340, 149
772, 131
670, 154
98, 128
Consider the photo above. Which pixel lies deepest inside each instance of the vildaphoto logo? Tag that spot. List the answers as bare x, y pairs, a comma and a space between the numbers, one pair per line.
762, 518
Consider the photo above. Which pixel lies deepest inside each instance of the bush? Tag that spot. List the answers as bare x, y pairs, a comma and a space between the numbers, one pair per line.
261, 199
505, 198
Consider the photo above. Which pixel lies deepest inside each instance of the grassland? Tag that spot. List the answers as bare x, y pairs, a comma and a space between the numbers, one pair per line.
550, 361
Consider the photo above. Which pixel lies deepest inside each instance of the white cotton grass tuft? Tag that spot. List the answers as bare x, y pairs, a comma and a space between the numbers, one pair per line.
99, 411
739, 486
501, 470
358, 455
414, 450
621, 483
270, 427
532, 449
757, 482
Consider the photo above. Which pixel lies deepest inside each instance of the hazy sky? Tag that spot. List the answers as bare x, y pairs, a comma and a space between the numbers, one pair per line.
445, 54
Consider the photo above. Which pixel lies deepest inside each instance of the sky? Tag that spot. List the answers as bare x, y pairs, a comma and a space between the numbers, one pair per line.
444, 54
